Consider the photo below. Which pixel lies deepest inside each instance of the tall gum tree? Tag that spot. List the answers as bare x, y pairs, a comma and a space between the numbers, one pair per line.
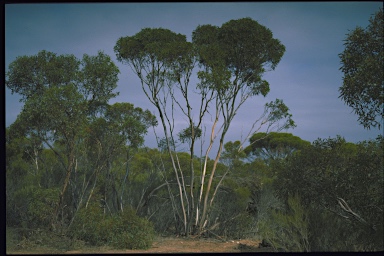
231, 60
151, 53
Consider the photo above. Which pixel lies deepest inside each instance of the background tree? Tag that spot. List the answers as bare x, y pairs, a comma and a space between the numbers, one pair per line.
232, 156
362, 64
68, 151
54, 89
107, 146
274, 145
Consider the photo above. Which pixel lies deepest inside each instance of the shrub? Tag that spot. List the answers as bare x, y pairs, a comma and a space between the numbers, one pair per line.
331, 170
122, 230
132, 232
35, 206
330, 232
287, 230
41, 239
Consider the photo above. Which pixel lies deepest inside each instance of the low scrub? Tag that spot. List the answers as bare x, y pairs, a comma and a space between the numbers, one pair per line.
122, 231
37, 239
287, 230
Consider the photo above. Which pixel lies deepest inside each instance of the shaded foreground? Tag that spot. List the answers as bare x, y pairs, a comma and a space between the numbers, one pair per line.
165, 245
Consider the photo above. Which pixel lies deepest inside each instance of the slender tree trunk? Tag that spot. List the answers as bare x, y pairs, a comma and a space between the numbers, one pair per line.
199, 205
174, 166
204, 218
191, 188
65, 185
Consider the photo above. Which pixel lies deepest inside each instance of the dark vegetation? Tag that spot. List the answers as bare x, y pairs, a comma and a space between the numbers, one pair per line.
78, 173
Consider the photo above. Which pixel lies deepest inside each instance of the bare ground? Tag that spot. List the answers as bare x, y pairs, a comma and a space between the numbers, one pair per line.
170, 245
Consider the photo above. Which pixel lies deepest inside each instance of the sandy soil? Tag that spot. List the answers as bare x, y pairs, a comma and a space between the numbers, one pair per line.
166, 245
190, 245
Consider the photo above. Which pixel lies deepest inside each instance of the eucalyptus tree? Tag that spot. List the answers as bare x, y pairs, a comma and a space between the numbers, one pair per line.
60, 95
151, 53
231, 61
114, 135
362, 64
274, 145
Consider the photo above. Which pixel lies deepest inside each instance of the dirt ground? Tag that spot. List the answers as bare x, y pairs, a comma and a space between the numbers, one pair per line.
173, 245
190, 245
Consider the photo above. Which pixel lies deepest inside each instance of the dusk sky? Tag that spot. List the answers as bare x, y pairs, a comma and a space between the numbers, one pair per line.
307, 78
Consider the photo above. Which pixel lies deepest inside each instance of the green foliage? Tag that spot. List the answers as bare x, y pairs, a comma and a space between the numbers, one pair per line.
287, 230
17, 165
255, 41
232, 59
274, 145
186, 134
121, 124
66, 109
157, 46
362, 64
330, 233
229, 217
125, 230
31, 75
232, 213
58, 92
239, 48
39, 241
233, 155
34, 206
59, 102
344, 179
11, 238
137, 232
141, 167
98, 77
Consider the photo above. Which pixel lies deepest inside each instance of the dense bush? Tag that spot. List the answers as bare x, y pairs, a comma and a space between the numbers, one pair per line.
34, 206
330, 233
286, 229
124, 230
229, 217
342, 186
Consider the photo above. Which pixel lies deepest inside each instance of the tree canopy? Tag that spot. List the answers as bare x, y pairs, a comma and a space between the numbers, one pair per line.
362, 64
274, 145
240, 49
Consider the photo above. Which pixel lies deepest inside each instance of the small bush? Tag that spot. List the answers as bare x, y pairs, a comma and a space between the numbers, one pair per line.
122, 231
30, 239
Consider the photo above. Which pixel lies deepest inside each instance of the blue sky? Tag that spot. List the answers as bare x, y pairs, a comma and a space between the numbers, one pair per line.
307, 78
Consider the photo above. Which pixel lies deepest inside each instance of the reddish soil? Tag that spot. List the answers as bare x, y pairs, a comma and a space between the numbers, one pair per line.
190, 245
164, 245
